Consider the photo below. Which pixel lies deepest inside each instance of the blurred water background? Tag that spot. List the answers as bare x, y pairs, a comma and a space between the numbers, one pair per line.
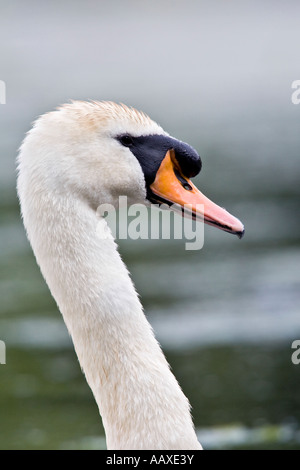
218, 75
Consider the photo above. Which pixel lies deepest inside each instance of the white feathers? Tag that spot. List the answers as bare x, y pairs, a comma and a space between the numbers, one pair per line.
69, 163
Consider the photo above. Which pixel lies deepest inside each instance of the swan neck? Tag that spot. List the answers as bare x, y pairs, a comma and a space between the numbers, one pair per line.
141, 404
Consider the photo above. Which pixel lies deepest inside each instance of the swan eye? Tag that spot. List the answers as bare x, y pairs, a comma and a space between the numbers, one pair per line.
126, 140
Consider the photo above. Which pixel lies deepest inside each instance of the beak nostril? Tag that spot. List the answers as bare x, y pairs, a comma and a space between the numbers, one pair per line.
187, 186
182, 180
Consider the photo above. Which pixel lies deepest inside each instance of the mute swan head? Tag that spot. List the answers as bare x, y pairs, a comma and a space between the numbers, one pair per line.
101, 150
73, 160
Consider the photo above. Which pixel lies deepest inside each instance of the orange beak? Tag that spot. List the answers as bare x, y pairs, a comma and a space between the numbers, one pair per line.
172, 187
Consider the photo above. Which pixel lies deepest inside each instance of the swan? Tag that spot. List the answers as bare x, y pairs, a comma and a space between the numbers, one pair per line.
73, 159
